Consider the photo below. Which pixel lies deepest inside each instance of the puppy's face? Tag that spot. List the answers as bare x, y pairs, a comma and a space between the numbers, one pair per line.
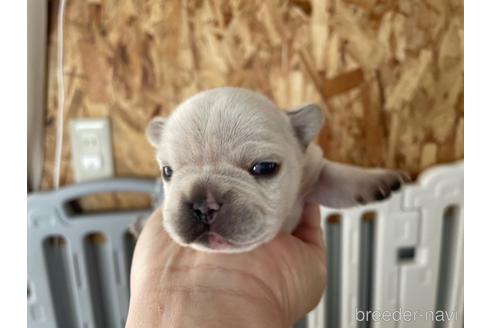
232, 166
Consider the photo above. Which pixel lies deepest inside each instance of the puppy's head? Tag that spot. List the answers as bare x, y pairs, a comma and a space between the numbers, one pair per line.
231, 164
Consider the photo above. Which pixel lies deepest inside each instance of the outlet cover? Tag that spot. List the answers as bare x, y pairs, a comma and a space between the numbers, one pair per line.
92, 154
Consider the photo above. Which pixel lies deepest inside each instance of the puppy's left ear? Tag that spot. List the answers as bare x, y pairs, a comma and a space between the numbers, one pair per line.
306, 121
154, 130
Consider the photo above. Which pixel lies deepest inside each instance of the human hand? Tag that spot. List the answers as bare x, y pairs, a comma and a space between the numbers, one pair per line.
273, 285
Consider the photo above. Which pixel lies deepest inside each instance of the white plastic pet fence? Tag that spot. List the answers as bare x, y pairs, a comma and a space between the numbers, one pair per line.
397, 263
78, 265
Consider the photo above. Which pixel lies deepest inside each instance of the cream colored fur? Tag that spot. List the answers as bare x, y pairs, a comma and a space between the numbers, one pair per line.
211, 141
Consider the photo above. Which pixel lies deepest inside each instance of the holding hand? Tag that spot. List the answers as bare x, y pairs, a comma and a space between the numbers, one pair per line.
274, 285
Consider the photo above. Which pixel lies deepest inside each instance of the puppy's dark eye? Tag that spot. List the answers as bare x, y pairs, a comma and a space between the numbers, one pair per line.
264, 168
167, 172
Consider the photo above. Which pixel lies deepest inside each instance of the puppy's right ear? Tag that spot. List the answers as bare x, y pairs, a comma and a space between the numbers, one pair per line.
154, 130
307, 122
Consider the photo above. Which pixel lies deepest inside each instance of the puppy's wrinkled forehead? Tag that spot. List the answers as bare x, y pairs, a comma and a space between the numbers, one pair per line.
224, 126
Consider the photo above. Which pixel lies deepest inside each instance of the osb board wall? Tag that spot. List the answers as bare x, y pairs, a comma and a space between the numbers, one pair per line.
388, 74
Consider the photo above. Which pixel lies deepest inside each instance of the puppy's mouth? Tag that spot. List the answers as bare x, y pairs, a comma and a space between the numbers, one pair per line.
216, 242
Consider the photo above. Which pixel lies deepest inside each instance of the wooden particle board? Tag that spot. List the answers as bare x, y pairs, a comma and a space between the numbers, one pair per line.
388, 74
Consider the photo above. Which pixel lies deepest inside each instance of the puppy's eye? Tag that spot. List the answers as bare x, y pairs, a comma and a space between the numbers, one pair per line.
264, 168
167, 172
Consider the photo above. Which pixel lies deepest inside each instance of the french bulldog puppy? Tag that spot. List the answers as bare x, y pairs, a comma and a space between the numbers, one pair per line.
237, 170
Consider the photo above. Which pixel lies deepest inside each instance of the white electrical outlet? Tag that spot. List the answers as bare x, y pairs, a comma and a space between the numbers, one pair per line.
92, 155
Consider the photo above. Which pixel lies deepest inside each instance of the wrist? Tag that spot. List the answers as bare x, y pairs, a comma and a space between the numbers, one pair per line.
203, 308
205, 298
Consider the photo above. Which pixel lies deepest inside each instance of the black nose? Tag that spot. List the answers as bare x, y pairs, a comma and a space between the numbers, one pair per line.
205, 212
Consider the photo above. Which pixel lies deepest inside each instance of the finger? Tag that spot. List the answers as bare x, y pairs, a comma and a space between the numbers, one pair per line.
154, 222
153, 232
309, 229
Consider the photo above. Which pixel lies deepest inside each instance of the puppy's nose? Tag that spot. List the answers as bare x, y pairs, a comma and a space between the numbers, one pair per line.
205, 211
